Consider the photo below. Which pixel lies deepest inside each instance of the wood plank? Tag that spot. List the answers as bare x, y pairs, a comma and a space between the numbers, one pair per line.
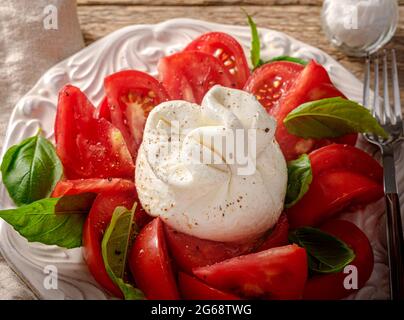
301, 22
203, 2
198, 2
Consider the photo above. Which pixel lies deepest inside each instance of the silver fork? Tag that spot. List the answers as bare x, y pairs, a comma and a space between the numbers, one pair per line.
390, 118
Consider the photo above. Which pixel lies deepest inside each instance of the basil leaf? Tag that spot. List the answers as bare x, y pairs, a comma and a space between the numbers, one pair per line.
52, 221
255, 50
290, 59
129, 291
326, 253
114, 247
299, 179
331, 118
30, 170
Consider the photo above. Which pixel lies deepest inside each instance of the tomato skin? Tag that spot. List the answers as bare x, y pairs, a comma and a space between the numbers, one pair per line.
282, 86
331, 193
227, 49
150, 263
70, 187
277, 273
330, 286
188, 75
349, 139
94, 227
131, 96
190, 252
313, 83
103, 110
142, 218
194, 289
278, 237
88, 147
343, 176
271, 81
111, 193
344, 157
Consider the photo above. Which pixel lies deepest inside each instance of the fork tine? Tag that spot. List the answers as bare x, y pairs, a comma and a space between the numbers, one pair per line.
387, 114
396, 89
376, 98
366, 84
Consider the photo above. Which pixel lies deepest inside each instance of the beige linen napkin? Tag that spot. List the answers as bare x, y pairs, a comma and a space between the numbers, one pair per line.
34, 35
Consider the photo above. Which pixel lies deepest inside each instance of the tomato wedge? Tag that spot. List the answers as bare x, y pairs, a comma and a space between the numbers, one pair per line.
88, 147
131, 96
229, 52
278, 236
277, 273
103, 110
190, 252
344, 157
93, 231
271, 81
70, 187
188, 75
313, 83
150, 263
111, 193
331, 286
194, 289
342, 176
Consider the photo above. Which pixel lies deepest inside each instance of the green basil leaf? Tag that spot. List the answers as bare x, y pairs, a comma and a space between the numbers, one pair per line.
30, 170
331, 118
115, 244
52, 221
299, 179
326, 253
290, 59
255, 50
129, 291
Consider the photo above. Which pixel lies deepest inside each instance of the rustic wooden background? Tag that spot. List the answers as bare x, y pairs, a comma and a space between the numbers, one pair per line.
298, 18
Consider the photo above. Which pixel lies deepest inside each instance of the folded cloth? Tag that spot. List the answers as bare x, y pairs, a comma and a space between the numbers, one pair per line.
34, 35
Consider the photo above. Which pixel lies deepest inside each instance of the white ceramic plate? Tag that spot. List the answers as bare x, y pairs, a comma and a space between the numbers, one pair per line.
140, 47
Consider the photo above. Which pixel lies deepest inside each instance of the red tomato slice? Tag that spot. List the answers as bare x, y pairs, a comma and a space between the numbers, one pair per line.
331, 286
150, 263
331, 193
93, 231
229, 52
343, 176
188, 75
278, 236
131, 96
194, 289
88, 147
277, 273
271, 81
103, 110
343, 157
70, 187
190, 252
111, 193
313, 83
349, 139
